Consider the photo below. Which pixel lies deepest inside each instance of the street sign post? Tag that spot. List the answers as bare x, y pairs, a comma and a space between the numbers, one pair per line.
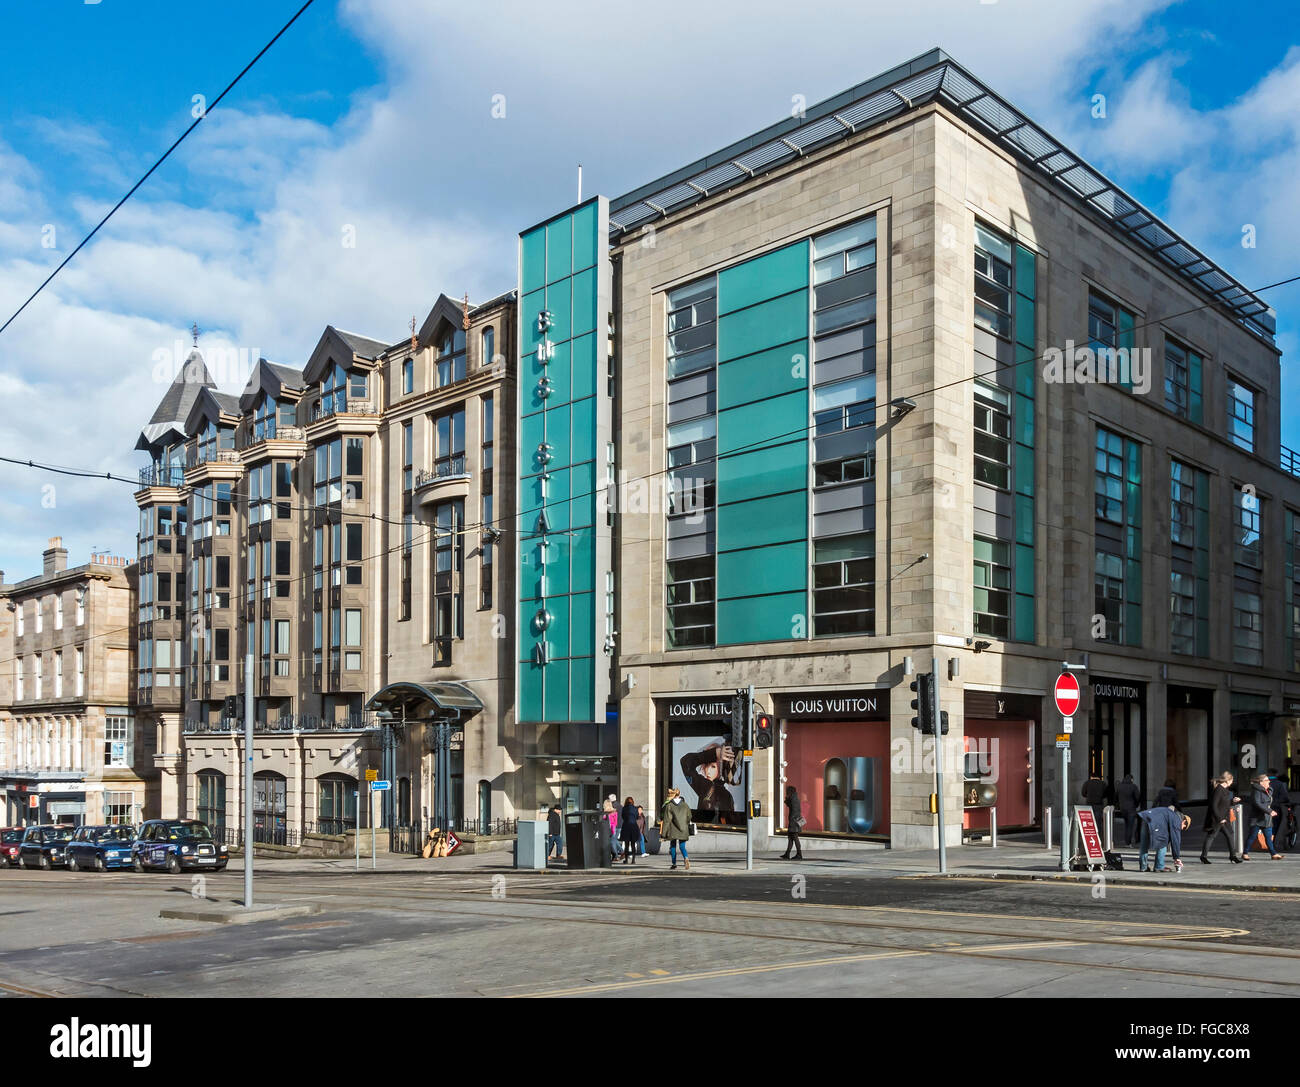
381, 786
1067, 694
453, 842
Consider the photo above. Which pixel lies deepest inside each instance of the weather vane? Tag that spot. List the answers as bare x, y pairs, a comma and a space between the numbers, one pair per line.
415, 343
464, 310
194, 331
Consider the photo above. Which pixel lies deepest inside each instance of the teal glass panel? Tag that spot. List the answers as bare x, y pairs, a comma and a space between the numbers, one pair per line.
773, 372
559, 249
558, 372
1025, 369
782, 320
1025, 324
532, 259
1026, 275
584, 302
1125, 330
1133, 580
585, 249
1132, 624
761, 618
1024, 573
763, 278
530, 569
583, 422
1133, 452
767, 423
776, 519
783, 568
582, 624
1202, 632
556, 692
582, 684
530, 692
559, 300
1195, 404
583, 366
1024, 412
1133, 542
533, 304
532, 432
1024, 466
1023, 628
584, 560
744, 476
1024, 517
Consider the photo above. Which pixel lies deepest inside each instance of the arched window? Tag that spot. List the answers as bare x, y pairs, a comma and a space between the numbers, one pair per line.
269, 808
489, 346
212, 800
336, 803
404, 801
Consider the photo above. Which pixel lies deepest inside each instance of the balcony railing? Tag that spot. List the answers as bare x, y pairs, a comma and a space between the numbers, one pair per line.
162, 475
449, 468
290, 722
323, 410
271, 431
209, 456
1290, 461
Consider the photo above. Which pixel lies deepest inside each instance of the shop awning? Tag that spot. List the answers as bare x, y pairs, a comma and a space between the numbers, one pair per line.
426, 702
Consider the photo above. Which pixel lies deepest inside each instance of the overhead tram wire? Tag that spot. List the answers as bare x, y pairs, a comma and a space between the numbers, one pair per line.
179, 139
796, 434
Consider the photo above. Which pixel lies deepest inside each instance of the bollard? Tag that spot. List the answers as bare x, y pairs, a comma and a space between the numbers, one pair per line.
1238, 830
1047, 825
1108, 820
993, 828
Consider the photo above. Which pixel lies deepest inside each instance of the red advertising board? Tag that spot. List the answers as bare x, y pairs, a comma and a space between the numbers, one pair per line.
1090, 835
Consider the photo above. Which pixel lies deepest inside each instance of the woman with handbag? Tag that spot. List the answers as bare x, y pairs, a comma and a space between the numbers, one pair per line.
793, 824
675, 827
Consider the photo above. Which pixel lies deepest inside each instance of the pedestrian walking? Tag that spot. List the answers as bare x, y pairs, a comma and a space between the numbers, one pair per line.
628, 831
1260, 820
1129, 799
1167, 797
1282, 805
675, 826
611, 817
1219, 818
554, 833
1095, 792
640, 826
793, 824
1162, 830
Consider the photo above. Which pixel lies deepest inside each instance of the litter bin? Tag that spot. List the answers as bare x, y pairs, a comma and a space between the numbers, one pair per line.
530, 844
586, 839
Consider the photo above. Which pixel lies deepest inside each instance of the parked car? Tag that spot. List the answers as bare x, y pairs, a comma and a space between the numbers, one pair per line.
10, 838
43, 846
176, 844
100, 848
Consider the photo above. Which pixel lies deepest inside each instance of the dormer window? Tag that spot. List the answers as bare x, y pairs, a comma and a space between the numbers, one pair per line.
264, 418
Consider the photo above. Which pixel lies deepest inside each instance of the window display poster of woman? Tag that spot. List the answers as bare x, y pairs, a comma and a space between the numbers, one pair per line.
709, 773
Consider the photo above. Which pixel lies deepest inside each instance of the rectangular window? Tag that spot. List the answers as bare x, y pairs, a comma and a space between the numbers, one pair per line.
1182, 504
408, 376
58, 612
282, 637
1110, 476
119, 740
40, 615
221, 641
1177, 399
992, 435
1241, 415
352, 626
408, 453
1247, 630
18, 679
58, 674
451, 359
357, 386
81, 671
843, 405
1182, 613
844, 585
690, 602
39, 676
992, 283
992, 587
692, 328
1246, 529
20, 619
1109, 595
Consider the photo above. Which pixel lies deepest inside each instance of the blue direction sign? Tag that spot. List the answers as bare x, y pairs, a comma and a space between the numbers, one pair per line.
380, 786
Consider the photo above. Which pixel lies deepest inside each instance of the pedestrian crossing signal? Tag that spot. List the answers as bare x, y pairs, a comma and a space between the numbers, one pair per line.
763, 730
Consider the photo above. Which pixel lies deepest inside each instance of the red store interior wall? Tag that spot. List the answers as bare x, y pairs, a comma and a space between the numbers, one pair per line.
1011, 758
810, 745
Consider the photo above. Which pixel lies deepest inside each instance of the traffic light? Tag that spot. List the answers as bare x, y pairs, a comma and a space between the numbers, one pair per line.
763, 730
232, 707
738, 706
923, 685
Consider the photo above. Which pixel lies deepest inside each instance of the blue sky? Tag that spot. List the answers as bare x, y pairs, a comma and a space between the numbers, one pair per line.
376, 115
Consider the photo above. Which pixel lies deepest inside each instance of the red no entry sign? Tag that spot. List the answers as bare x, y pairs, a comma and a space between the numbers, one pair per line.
1067, 694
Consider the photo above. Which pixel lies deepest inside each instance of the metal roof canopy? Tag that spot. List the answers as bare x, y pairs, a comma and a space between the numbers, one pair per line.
936, 77
436, 701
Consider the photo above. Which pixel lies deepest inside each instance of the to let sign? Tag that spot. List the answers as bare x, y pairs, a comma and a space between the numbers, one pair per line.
1067, 694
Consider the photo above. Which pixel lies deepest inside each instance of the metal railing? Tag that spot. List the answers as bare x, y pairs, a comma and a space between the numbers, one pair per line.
450, 468
272, 431
290, 722
321, 410
162, 475
209, 456
1289, 460
492, 826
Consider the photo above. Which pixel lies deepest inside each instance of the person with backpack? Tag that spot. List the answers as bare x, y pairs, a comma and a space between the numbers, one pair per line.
675, 826
793, 824
1129, 799
1260, 820
1219, 817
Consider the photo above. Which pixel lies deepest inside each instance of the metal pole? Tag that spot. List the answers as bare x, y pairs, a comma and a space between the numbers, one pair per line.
1108, 817
248, 781
1065, 809
749, 780
1047, 825
993, 827
356, 830
371, 788
936, 725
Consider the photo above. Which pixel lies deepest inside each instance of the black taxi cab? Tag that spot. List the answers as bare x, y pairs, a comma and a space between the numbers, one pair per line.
176, 845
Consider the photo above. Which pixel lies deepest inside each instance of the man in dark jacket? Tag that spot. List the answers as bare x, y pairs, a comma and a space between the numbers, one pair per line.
1096, 792
793, 824
1218, 818
1162, 830
1129, 798
1282, 804
1259, 817
554, 833
1167, 797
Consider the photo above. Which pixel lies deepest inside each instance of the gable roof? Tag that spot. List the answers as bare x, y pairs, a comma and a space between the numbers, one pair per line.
345, 348
210, 404
271, 378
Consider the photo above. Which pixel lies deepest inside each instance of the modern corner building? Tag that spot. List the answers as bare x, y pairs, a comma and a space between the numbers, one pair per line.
71, 749
331, 522
896, 382
832, 349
